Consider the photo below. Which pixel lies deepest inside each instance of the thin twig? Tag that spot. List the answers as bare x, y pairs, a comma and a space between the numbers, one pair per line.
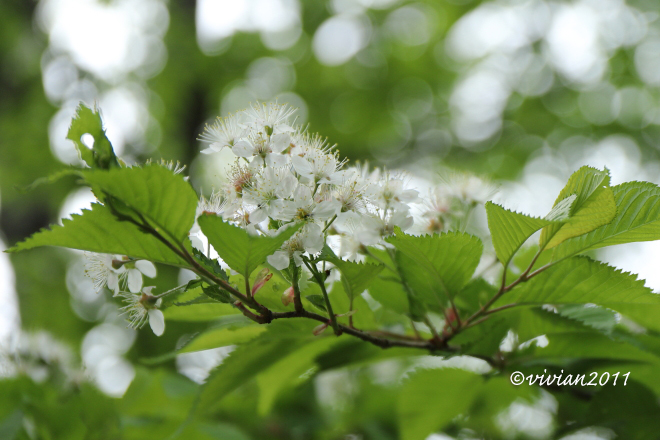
321, 283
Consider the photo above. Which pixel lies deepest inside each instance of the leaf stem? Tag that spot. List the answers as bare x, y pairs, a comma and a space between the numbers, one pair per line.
321, 283
334, 217
297, 302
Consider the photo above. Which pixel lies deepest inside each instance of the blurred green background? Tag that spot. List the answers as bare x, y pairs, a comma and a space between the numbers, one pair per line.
520, 91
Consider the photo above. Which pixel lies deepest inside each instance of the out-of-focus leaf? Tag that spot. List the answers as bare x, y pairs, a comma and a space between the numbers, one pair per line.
248, 360
430, 399
290, 371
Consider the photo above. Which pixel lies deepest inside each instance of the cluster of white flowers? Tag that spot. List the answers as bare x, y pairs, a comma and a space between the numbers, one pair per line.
284, 175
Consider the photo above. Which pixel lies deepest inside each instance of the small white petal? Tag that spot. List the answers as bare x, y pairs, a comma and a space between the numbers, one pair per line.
113, 282
326, 209
258, 215
146, 267
243, 149
134, 280
280, 142
157, 321
302, 166
279, 260
276, 160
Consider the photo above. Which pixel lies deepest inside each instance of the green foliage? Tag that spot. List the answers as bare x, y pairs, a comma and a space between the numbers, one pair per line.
230, 334
594, 206
152, 192
88, 121
98, 230
430, 399
509, 230
196, 305
356, 277
637, 219
580, 280
249, 360
446, 261
240, 250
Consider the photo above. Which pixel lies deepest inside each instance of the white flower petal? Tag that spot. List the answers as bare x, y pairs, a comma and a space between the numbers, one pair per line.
279, 260
326, 209
134, 280
243, 149
157, 321
146, 267
279, 142
276, 160
258, 215
302, 166
113, 282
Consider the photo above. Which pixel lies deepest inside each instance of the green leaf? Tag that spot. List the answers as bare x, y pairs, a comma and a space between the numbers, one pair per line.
240, 250
317, 301
88, 121
290, 371
423, 292
212, 265
596, 317
218, 294
509, 230
356, 277
363, 318
584, 345
194, 305
165, 199
432, 398
449, 259
281, 338
485, 338
580, 280
637, 219
98, 230
223, 336
389, 292
594, 206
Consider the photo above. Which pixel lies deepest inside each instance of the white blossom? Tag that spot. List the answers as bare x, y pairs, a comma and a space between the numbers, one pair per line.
143, 307
271, 187
101, 269
305, 207
263, 150
308, 240
269, 118
134, 274
224, 132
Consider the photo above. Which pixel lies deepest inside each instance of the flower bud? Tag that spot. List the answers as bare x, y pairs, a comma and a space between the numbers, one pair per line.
320, 329
261, 279
287, 297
